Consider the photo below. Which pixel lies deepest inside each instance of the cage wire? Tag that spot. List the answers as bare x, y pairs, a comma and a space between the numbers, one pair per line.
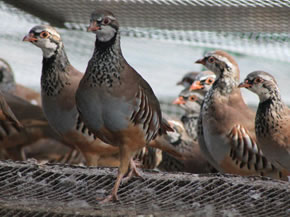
259, 28
30, 189
252, 27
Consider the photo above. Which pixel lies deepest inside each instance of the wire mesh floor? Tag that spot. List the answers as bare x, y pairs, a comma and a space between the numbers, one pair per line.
29, 189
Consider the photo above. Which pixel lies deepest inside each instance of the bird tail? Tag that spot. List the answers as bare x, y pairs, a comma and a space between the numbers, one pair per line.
165, 127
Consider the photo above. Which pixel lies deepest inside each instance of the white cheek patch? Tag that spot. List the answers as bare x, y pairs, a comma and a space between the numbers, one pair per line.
48, 47
206, 77
106, 33
224, 59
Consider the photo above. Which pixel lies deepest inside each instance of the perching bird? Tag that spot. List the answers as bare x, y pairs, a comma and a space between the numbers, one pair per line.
226, 131
188, 79
7, 83
59, 82
272, 118
114, 101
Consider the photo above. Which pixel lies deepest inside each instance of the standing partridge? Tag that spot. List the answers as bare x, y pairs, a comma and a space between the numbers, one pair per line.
226, 131
114, 101
59, 82
187, 79
7, 83
272, 118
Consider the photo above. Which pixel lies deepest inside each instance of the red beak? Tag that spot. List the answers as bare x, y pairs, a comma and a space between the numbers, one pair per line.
29, 38
196, 86
179, 101
93, 27
200, 61
244, 84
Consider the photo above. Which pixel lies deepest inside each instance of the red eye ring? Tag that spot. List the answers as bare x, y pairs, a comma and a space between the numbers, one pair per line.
44, 34
209, 81
192, 98
258, 80
211, 59
106, 21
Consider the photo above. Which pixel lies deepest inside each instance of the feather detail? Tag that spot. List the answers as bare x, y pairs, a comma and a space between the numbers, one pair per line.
245, 150
145, 115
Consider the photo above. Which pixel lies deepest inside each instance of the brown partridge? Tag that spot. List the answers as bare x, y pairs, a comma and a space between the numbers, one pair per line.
272, 118
226, 125
7, 83
113, 100
7, 117
35, 127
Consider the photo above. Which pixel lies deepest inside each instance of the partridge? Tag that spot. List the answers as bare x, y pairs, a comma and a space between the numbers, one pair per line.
113, 100
7, 83
7, 116
59, 82
226, 131
203, 82
187, 79
7, 121
272, 123
191, 103
35, 127
182, 152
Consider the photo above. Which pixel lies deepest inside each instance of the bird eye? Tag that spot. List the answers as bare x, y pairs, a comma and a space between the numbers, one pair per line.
193, 98
209, 81
258, 80
210, 59
44, 34
106, 21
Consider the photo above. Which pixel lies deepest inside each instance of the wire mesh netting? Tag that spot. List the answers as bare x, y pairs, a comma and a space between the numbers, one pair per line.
161, 38
29, 189
246, 27
251, 27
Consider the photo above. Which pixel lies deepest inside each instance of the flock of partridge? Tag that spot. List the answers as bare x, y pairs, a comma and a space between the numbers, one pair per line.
111, 116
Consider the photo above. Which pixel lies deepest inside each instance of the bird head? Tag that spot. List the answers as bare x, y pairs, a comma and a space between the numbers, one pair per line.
189, 101
221, 63
261, 83
203, 82
104, 24
187, 79
46, 38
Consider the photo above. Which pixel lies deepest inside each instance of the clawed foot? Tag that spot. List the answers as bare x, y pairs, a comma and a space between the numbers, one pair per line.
133, 171
112, 197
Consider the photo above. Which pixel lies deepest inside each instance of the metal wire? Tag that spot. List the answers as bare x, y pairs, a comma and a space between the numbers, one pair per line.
61, 190
247, 26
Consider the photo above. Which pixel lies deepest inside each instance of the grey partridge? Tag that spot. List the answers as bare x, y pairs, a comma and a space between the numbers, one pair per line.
114, 101
226, 131
187, 79
272, 118
8, 83
59, 82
